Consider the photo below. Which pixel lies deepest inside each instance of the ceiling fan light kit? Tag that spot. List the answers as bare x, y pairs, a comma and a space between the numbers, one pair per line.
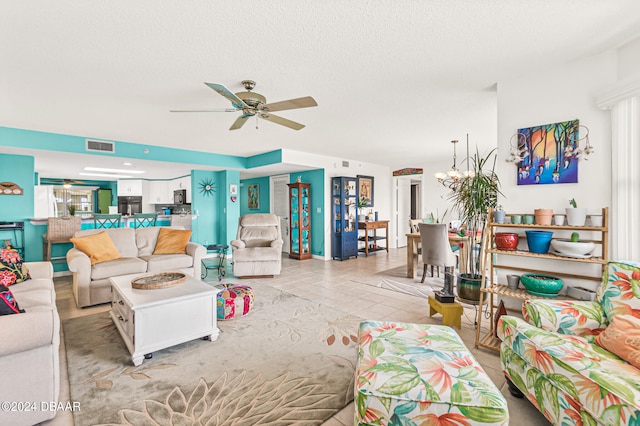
254, 104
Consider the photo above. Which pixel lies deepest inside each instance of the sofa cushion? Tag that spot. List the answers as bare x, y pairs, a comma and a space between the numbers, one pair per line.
172, 241
165, 262
622, 337
122, 266
8, 303
98, 247
37, 298
123, 238
12, 268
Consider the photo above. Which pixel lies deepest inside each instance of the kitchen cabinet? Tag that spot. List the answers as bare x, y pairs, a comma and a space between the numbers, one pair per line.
130, 187
159, 192
181, 183
548, 263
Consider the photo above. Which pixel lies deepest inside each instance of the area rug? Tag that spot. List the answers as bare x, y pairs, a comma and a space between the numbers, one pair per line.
396, 279
290, 361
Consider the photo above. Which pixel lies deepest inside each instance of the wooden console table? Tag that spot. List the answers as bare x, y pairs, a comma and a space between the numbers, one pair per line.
374, 226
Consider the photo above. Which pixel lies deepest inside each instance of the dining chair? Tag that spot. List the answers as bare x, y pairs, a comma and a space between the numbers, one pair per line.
436, 250
59, 230
106, 220
144, 220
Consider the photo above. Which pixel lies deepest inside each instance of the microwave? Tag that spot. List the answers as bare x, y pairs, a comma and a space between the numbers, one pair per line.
180, 196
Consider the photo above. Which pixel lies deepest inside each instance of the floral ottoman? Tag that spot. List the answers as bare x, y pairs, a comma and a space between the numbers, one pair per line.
421, 374
234, 301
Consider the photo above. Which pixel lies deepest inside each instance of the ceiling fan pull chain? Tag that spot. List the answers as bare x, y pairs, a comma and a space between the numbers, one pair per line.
256, 121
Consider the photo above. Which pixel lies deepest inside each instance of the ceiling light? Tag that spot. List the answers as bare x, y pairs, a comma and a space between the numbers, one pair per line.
454, 173
102, 169
105, 175
127, 164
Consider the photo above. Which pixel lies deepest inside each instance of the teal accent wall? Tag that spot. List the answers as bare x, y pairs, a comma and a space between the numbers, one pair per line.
206, 207
272, 157
316, 179
264, 194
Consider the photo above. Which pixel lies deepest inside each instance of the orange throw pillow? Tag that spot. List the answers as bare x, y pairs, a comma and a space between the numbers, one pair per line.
98, 247
622, 337
172, 241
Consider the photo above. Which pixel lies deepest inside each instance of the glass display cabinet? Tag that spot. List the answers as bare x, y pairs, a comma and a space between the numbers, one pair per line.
344, 214
300, 220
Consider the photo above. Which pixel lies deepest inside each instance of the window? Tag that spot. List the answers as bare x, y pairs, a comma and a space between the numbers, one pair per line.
74, 201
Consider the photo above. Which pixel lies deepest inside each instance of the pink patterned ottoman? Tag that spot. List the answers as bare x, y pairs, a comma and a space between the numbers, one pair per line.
234, 301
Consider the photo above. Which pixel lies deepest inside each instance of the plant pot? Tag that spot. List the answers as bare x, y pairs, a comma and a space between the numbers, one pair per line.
362, 217
541, 285
576, 216
543, 216
498, 217
506, 240
539, 241
558, 219
468, 288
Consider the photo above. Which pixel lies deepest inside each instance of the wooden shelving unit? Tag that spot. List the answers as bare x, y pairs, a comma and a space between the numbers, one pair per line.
492, 256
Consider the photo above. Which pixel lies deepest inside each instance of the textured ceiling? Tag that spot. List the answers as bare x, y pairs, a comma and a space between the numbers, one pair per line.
395, 80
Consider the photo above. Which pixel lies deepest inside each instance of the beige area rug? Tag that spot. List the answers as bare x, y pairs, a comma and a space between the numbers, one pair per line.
290, 361
396, 279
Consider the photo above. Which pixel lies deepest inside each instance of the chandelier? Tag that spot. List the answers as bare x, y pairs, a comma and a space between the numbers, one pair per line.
452, 176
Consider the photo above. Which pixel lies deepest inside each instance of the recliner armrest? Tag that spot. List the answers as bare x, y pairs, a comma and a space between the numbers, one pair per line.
238, 244
277, 243
573, 317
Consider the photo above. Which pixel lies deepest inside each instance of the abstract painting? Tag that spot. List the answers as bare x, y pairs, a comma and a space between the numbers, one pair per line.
548, 153
254, 196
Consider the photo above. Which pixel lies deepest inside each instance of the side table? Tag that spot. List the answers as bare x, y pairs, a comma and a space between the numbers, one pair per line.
451, 312
213, 264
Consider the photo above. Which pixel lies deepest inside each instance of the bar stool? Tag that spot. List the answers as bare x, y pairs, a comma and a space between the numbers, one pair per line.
106, 221
183, 220
59, 230
144, 220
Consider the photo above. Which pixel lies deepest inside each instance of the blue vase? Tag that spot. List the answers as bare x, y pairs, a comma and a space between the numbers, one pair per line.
539, 241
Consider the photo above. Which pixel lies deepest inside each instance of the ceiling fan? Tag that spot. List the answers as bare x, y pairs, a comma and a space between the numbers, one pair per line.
254, 104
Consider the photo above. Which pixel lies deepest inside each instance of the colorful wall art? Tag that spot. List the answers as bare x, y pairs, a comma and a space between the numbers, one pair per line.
548, 153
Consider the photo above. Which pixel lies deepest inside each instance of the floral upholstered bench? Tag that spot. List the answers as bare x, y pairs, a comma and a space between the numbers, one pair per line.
422, 374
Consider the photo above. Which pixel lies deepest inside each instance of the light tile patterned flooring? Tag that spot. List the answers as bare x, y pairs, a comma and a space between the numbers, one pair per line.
343, 285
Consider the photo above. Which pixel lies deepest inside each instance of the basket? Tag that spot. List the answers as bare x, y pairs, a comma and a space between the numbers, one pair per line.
156, 281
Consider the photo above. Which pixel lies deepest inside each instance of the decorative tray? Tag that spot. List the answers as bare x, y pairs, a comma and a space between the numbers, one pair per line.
155, 281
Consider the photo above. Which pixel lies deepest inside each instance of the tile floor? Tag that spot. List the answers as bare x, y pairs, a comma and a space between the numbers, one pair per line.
345, 285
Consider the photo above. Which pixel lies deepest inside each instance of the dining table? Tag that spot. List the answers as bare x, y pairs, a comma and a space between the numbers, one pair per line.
413, 240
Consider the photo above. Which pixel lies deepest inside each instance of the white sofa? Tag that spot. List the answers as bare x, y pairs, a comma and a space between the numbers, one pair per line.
29, 352
91, 284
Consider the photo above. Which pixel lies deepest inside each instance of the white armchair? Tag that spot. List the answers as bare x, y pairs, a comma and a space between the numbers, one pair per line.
257, 249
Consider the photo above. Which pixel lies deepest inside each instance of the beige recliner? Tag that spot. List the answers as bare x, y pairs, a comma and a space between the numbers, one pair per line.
257, 249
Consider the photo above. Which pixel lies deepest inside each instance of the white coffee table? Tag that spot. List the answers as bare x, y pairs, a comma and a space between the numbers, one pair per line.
150, 320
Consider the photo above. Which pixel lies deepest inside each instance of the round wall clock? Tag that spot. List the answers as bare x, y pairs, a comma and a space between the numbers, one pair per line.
207, 187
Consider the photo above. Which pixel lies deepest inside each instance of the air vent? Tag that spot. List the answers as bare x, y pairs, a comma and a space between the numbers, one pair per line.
345, 164
100, 146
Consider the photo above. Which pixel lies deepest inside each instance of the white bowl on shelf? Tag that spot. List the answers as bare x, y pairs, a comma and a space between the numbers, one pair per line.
571, 248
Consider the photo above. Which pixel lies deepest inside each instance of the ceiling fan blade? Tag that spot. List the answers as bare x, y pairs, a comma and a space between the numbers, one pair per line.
239, 122
236, 101
282, 121
305, 102
205, 110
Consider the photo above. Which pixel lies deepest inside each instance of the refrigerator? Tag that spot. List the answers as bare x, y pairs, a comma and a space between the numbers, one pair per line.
103, 201
44, 202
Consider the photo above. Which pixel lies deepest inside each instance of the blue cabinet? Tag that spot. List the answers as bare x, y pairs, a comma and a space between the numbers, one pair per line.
344, 214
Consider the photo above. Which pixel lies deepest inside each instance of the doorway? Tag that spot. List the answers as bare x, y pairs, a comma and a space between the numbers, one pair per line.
407, 204
280, 206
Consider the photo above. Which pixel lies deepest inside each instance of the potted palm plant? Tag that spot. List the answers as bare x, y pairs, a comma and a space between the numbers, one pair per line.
473, 194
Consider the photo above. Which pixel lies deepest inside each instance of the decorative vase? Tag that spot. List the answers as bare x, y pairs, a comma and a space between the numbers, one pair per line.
468, 288
362, 218
498, 217
506, 240
543, 216
542, 285
576, 216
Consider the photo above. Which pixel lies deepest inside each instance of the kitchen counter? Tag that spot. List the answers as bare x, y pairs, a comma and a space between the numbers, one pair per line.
87, 221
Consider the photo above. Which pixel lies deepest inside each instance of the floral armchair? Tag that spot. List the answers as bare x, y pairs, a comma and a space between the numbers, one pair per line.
554, 356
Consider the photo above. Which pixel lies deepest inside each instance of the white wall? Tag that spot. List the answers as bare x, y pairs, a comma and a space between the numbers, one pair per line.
629, 60
553, 94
